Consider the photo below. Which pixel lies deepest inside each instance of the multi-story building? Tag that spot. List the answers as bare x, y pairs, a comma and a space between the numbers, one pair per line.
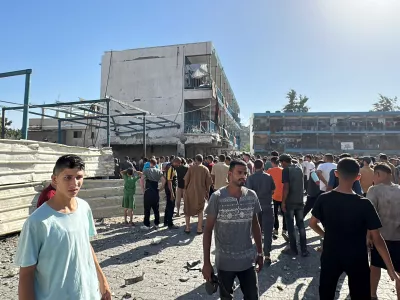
320, 132
185, 84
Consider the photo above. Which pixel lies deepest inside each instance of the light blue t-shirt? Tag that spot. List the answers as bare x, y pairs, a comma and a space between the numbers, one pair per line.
59, 245
147, 166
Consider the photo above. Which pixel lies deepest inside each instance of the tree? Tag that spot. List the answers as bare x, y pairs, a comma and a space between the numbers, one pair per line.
296, 104
386, 104
13, 134
246, 148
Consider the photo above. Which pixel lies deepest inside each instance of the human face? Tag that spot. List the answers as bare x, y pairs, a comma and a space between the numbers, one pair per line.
238, 176
69, 182
176, 163
227, 162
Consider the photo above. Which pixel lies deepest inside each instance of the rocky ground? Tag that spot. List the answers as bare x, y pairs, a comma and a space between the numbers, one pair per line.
155, 265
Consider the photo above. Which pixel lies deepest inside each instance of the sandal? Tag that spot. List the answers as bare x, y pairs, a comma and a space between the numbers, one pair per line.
187, 231
199, 232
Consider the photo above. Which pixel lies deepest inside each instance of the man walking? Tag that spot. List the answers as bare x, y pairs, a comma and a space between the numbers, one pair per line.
197, 186
170, 192
293, 204
276, 173
232, 214
263, 185
219, 173
367, 175
151, 197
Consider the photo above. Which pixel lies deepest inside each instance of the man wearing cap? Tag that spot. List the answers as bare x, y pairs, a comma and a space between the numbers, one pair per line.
367, 175
293, 204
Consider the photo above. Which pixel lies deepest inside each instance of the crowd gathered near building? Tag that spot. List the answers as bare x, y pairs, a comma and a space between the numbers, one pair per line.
245, 200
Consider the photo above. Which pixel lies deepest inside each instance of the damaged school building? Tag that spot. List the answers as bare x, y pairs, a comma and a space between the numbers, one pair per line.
190, 106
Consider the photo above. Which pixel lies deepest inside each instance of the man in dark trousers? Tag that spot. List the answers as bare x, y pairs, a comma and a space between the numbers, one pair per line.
170, 192
263, 184
151, 197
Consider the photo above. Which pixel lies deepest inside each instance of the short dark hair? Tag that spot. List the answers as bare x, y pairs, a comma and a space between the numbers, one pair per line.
153, 161
383, 167
177, 159
172, 157
329, 156
348, 168
258, 164
367, 159
343, 155
162, 157
235, 163
275, 160
383, 156
228, 158
274, 153
69, 161
129, 172
308, 156
199, 158
189, 160
183, 161
210, 157
222, 158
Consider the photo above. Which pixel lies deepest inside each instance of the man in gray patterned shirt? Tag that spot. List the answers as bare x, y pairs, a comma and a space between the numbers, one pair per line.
232, 214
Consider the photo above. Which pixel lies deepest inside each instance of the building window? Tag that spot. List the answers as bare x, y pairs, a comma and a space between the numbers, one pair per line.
92, 135
77, 134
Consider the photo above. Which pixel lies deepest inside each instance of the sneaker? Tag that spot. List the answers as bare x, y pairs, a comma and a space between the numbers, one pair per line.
173, 227
285, 235
144, 227
289, 251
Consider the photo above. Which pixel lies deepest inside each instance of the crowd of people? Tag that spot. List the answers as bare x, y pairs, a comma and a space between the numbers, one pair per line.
243, 198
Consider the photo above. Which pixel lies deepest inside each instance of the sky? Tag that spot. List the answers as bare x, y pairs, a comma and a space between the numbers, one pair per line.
339, 53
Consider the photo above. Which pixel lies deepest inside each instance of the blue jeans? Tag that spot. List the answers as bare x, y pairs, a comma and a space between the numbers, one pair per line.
298, 214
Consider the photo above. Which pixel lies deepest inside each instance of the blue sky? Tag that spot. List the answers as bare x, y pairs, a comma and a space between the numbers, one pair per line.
339, 53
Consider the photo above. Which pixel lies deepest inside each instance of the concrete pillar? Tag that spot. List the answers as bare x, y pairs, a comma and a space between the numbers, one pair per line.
180, 149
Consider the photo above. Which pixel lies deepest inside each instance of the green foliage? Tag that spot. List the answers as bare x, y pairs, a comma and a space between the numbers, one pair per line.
386, 104
246, 148
296, 103
13, 134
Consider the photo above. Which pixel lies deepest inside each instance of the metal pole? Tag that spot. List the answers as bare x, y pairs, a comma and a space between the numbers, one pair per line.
209, 121
108, 124
59, 133
144, 136
25, 117
3, 123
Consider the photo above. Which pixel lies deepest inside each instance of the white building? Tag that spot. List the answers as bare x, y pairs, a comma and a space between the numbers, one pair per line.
185, 84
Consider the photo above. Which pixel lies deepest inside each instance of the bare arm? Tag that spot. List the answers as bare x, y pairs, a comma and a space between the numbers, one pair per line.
26, 290
104, 287
256, 230
315, 226
207, 236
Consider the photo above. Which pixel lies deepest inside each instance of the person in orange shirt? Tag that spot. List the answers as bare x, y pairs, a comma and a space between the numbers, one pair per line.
276, 173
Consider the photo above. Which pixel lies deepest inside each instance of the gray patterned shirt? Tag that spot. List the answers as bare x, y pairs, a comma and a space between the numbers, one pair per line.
234, 249
386, 199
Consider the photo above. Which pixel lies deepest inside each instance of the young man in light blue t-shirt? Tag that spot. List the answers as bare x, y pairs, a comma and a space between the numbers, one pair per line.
54, 253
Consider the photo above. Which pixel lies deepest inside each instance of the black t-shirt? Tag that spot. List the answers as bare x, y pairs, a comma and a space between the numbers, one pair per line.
181, 172
346, 219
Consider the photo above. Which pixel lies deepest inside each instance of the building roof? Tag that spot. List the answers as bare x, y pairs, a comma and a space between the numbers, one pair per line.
310, 114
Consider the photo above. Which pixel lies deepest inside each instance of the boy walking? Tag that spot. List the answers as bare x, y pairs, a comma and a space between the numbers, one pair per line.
385, 196
54, 253
347, 217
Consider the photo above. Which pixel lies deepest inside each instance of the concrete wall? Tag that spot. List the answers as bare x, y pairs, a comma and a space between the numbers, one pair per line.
154, 75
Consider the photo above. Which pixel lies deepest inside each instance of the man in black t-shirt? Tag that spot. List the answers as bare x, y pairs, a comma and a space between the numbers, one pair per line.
346, 218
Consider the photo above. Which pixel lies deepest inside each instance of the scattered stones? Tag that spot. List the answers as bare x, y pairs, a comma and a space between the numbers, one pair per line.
127, 295
159, 261
156, 241
135, 278
183, 279
280, 288
286, 268
193, 263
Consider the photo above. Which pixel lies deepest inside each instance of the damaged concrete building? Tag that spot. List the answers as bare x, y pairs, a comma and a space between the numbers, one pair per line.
184, 84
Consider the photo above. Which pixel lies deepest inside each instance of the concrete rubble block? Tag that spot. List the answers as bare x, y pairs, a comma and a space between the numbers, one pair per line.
135, 278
